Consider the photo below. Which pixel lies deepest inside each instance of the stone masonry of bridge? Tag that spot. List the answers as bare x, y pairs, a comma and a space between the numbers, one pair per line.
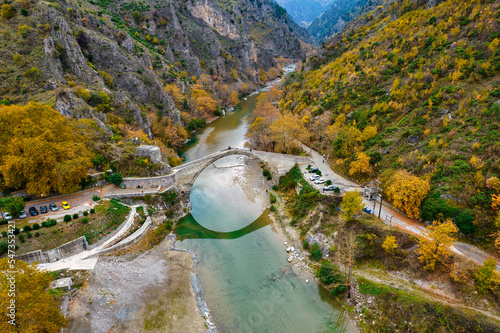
183, 176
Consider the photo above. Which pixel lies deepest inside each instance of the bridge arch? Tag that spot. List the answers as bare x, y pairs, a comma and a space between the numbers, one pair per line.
186, 174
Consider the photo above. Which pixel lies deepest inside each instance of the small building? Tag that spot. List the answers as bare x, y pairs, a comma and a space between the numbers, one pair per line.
64, 283
153, 152
370, 193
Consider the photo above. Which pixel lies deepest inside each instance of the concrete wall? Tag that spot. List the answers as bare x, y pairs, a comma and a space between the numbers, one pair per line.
66, 250
149, 182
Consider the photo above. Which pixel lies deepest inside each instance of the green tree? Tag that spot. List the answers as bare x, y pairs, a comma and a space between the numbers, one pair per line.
115, 178
486, 278
316, 252
35, 309
13, 205
352, 203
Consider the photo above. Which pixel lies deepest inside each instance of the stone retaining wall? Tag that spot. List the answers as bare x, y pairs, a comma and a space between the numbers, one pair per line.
66, 250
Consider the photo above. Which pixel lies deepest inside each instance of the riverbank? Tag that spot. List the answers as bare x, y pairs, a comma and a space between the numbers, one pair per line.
149, 292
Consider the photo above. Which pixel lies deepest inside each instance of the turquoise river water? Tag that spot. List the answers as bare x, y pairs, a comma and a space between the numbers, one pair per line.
248, 283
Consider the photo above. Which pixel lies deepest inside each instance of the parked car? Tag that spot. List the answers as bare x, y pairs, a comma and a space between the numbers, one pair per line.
315, 177
313, 170
329, 188
53, 207
43, 209
7, 216
320, 181
22, 215
65, 205
33, 211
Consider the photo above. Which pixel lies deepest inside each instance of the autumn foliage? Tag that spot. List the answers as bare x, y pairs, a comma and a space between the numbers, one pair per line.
40, 149
36, 309
406, 191
436, 246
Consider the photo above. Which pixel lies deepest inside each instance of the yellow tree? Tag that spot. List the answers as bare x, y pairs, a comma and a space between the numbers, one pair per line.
495, 201
175, 93
234, 98
35, 309
360, 167
437, 246
406, 191
41, 149
352, 203
286, 133
390, 245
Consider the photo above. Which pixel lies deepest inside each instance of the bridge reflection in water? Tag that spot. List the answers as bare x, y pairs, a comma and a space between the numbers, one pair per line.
189, 228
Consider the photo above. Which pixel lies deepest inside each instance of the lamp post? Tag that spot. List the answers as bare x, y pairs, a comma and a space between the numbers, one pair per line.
380, 209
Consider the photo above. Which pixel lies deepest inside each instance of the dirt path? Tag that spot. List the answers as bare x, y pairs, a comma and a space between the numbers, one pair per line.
398, 220
149, 293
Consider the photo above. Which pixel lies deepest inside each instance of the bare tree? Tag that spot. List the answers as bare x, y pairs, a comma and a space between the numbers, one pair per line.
347, 249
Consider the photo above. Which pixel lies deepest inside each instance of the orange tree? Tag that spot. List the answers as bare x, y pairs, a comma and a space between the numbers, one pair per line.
35, 309
41, 149
437, 246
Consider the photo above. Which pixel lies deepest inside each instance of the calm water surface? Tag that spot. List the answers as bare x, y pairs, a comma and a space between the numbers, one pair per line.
248, 283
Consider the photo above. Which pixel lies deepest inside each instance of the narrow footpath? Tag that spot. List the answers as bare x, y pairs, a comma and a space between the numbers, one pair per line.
387, 213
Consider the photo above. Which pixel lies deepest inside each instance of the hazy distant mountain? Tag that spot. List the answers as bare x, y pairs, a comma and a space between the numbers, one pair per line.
335, 17
305, 11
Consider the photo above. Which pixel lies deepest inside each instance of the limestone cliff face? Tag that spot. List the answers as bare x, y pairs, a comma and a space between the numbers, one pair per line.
108, 47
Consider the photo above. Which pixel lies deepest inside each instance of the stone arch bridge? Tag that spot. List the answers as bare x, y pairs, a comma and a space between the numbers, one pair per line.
183, 176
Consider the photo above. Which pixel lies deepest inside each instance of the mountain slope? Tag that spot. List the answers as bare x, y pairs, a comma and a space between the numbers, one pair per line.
411, 91
109, 60
336, 16
305, 11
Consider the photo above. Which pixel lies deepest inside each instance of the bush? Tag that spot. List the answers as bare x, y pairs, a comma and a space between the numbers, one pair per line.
49, 223
84, 220
28, 234
27, 228
4, 233
3, 222
36, 226
115, 178
96, 198
85, 213
464, 223
305, 245
293, 222
330, 275
92, 210
318, 172
33, 73
4, 246
7, 11
272, 209
16, 231
67, 218
267, 174
316, 252
21, 238
75, 216
37, 234
328, 182
434, 207
275, 188
272, 198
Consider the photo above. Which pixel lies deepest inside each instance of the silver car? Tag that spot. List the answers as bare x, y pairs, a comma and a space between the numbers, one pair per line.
314, 177
22, 215
320, 181
53, 207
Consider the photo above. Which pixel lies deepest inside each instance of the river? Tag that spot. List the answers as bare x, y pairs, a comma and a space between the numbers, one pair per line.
248, 283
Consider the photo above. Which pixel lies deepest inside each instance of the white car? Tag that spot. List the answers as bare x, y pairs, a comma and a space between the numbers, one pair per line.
314, 177
22, 215
7, 216
320, 181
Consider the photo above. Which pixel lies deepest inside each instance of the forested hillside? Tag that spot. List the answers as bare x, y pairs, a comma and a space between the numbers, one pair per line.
409, 95
151, 70
305, 11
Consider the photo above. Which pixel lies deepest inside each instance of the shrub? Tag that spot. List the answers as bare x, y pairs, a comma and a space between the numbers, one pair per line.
28, 234
293, 222
7, 11
16, 231
464, 223
37, 234
92, 210
24, 12
75, 216
318, 172
305, 245
3, 222
21, 238
328, 182
316, 252
108, 79
33, 73
67, 218
267, 174
115, 178
27, 228
85, 213
275, 188
84, 220
96, 198
4, 233
23, 30
434, 207
272, 198
4, 246
36, 226
273, 209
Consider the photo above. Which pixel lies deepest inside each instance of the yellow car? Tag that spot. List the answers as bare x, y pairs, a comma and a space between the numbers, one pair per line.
65, 205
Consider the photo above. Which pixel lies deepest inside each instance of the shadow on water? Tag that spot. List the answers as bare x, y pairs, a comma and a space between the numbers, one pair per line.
189, 228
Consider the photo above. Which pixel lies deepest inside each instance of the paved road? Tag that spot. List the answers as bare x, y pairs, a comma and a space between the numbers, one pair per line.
398, 220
